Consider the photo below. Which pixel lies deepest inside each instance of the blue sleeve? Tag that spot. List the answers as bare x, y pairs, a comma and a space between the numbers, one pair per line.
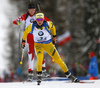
92, 67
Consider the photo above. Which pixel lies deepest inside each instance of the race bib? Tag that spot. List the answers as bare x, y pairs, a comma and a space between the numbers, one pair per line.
41, 39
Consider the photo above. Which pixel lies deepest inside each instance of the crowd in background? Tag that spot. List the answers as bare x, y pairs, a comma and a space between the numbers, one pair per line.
18, 75
12, 75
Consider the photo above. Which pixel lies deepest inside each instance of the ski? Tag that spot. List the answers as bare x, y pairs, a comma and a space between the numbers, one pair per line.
86, 81
27, 82
81, 81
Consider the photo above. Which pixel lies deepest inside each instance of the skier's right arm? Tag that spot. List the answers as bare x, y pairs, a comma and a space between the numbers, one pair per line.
27, 31
19, 19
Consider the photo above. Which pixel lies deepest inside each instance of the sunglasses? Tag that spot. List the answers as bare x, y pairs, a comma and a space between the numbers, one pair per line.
39, 19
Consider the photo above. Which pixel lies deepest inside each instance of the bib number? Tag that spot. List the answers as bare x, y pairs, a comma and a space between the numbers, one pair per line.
41, 39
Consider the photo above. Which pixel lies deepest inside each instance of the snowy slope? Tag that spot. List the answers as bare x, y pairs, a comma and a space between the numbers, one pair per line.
51, 84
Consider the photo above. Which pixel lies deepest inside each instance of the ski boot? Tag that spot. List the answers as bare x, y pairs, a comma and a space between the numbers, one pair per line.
30, 76
44, 73
39, 78
71, 77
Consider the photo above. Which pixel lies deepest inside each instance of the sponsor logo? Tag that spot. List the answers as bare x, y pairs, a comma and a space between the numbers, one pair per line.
40, 33
31, 20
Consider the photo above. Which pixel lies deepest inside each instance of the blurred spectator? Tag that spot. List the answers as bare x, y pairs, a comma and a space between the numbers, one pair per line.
12, 75
19, 71
93, 67
1, 80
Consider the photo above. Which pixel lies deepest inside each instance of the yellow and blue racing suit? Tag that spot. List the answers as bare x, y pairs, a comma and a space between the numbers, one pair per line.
43, 42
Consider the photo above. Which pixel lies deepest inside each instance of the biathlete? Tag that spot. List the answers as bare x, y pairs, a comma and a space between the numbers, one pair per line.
29, 17
42, 30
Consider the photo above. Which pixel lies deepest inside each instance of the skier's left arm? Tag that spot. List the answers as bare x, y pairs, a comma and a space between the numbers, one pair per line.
53, 31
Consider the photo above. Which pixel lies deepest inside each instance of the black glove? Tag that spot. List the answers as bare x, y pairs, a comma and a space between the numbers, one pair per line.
23, 43
54, 39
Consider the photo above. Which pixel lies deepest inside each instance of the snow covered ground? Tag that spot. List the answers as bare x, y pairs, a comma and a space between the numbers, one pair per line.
51, 84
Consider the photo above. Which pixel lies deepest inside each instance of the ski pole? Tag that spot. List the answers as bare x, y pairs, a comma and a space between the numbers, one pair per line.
81, 66
19, 35
21, 62
19, 44
38, 5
